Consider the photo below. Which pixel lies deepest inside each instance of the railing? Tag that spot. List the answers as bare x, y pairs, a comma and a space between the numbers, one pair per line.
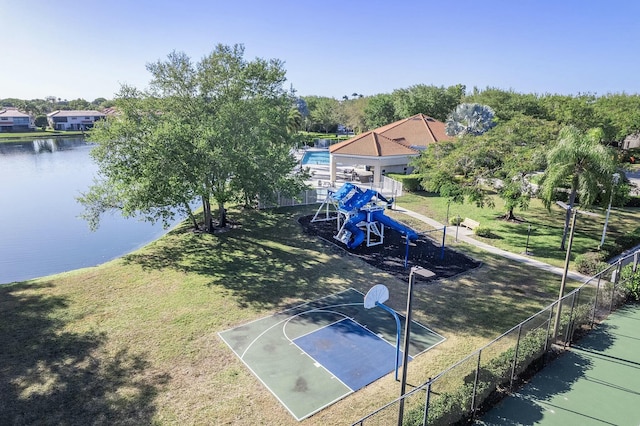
458, 393
388, 187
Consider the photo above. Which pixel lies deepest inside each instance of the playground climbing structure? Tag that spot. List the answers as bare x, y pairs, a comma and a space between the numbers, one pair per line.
359, 215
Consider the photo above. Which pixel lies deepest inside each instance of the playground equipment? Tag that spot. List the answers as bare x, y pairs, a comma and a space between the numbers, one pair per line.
360, 216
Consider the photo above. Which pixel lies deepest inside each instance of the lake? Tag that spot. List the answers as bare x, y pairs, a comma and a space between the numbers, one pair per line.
40, 231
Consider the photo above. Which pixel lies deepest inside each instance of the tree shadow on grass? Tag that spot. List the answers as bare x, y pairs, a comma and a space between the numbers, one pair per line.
262, 263
49, 375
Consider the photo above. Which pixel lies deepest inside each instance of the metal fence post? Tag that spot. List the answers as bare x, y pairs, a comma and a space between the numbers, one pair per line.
595, 302
615, 283
569, 332
546, 342
475, 387
515, 357
425, 418
635, 261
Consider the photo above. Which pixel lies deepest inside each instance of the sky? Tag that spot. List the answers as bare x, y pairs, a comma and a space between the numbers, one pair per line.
88, 49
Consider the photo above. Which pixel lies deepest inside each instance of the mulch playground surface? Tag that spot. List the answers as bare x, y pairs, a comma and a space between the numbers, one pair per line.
390, 256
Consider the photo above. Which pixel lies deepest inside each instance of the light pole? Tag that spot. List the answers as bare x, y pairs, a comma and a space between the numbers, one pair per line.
425, 273
616, 179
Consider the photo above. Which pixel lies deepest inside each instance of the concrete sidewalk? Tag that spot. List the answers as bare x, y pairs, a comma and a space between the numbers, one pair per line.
464, 234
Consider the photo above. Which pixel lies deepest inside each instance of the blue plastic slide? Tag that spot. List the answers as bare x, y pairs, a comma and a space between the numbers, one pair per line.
386, 220
357, 234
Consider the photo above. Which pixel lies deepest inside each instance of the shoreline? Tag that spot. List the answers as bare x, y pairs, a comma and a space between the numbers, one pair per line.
23, 137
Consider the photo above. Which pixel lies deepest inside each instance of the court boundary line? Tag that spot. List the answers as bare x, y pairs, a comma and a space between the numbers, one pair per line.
326, 308
285, 310
257, 376
345, 317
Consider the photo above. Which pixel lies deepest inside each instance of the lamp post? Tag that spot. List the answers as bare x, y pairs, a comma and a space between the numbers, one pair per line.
616, 179
425, 273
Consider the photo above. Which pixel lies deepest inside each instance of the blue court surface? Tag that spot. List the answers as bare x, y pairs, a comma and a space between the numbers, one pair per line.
350, 352
319, 352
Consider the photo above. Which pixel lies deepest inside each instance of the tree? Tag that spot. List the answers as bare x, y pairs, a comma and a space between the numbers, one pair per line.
470, 119
379, 111
503, 156
213, 131
508, 104
323, 112
354, 115
436, 102
79, 104
41, 121
582, 162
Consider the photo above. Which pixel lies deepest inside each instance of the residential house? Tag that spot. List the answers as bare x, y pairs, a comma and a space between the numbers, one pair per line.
73, 120
390, 148
12, 120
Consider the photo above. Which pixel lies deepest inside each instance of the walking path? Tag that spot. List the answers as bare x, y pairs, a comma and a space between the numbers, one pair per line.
464, 235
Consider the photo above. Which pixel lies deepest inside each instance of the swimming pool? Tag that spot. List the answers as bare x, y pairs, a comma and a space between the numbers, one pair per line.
316, 157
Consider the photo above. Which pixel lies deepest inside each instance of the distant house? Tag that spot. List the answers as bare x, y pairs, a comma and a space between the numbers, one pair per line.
12, 120
390, 148
73, 120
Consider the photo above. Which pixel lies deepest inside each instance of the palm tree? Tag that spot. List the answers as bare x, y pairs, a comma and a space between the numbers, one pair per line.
472, 119
294, 121
580, 159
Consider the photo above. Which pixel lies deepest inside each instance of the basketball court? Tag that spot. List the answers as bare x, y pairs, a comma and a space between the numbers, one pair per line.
596, 382
317, 353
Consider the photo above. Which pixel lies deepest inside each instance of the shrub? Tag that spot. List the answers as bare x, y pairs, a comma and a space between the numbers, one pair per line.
631, 282
483, 231
633, 201
591, 262
410, 183
455, 221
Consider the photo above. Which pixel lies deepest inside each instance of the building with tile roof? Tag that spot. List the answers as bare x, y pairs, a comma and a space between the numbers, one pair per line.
390, 148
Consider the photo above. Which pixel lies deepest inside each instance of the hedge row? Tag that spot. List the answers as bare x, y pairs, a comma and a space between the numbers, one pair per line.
455, 406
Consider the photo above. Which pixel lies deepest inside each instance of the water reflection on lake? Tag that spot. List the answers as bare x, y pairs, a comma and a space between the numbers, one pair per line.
40, 232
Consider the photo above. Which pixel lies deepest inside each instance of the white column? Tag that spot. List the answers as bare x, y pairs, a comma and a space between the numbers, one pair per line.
332, 168
377, 173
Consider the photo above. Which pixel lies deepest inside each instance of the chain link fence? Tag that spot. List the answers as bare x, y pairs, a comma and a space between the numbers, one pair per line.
477, 382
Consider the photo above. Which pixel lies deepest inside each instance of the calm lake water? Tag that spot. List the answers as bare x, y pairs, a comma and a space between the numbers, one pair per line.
40, 232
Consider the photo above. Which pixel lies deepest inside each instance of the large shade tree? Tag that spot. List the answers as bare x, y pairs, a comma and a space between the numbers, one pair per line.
211, 131
582, 162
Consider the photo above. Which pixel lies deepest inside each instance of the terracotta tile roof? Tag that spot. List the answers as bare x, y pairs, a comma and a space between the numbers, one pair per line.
371, 144
403, 137
419, 130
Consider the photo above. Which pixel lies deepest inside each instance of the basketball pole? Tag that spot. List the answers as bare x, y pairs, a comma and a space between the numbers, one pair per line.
407, 332
398, 328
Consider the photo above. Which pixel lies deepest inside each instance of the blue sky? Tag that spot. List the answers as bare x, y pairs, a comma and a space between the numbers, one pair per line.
87, 49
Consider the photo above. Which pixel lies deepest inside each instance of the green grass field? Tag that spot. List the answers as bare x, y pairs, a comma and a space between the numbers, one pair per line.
135, 340
19, 137
546, 226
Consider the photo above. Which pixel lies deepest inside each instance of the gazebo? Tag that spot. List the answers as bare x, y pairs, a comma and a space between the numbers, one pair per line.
387, 149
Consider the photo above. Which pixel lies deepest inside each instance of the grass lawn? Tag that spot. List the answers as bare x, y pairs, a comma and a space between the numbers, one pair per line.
546, 226
18, 137
134, 341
